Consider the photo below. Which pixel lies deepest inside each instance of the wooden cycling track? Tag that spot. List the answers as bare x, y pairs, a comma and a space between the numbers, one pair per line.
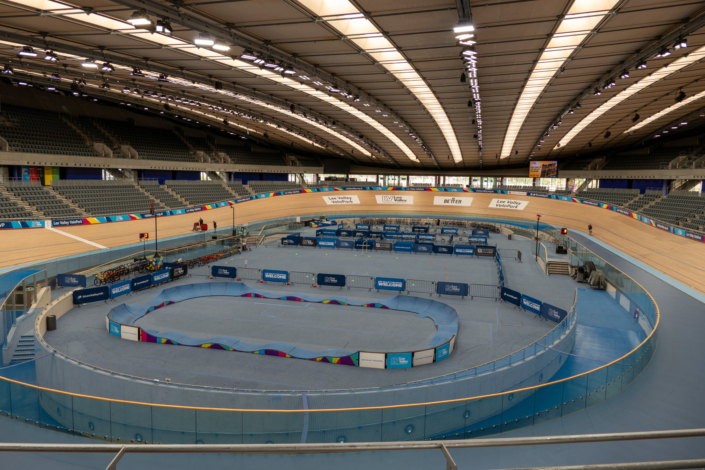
678, 257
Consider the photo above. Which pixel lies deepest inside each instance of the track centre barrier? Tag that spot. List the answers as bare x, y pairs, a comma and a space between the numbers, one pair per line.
299, 277
420, 286
252, 274
360, 282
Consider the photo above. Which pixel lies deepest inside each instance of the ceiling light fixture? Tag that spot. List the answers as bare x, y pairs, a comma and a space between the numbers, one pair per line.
139, 18
27, 52
204, 39
107, 67
164, 26
89, 64
221, 46
51, 56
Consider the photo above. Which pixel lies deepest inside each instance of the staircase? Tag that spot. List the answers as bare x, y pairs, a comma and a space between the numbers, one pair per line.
252, 240
67, 201
558, 267
176, 195
35, 213
154, 199
24, 351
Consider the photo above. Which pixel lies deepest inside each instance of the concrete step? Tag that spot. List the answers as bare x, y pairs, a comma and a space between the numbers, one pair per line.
558, 267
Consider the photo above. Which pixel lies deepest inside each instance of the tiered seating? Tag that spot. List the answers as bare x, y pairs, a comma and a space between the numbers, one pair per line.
339, 184
10, 210
199, 143
151, 143
614, 197
44, 201
38, 131
576, 165
646, 198
198, 193
308, 161
246, 157
238, 188
106, 197
534, 189
676, 207
158, 192
656, 159
272, 186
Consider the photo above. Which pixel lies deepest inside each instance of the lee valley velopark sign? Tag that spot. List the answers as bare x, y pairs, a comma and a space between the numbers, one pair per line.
340, 199
508, 204
389, 199
451, 201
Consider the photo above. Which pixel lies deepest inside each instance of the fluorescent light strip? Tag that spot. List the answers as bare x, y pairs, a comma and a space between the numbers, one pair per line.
98, 19
663, 112
365, 35
582, 18
649, 80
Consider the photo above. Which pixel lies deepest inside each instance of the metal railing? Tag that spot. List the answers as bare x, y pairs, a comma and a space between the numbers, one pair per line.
299, 277
485, 291
252, 274
403, 446
360, 282
420, 286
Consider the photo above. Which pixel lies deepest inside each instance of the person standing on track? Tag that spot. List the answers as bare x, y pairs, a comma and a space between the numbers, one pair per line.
590, 228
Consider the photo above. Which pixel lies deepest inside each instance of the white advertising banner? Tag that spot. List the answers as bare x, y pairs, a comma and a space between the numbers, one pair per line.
508, 204
341, 199
423, 357
129, 332
517, 193
451, 201
395, 199
372, 360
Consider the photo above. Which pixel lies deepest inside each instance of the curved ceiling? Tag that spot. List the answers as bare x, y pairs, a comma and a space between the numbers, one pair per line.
379, 82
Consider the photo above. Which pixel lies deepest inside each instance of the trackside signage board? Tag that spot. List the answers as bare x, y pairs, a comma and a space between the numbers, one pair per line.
327, 242
92, 294
388, 283
452, 201
467, 250
178, 271
451, 288
161, 276
275, 276
485, 250
224, 271
404, 247
372, 360
508, 204
511, 296
341, 199
442, 352
423, 357
129, 333
391, 199
531, 304
423, 247
114, 329
383, 246
308, 242
480, 232
337, 280
141, 282
71, 280
345, 244
120, 288
553, 313
443, 249
398, 360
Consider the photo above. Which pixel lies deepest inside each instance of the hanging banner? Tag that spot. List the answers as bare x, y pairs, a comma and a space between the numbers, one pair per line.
508, 204
336, 280
511, 296
224, 271
464, 250
452, 201
275, 276
71, 280
388, 283
91, 294
120, 288
553, 313
141, 282
531, 304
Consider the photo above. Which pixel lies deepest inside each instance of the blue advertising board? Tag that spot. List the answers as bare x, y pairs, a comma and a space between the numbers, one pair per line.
361, 233
483, 250
442, 352
275, 276
404, 247
120, 288
327, 242
326, 232
423, 247
481, 232
511, 296
345, 244
346, 233
391, 228
531, 304
445, 230
464, 250
141, 282
451, 288
71, 280
362, 226
419, 229
427, 238
161, 276
91, 294
443, 249
553, 313
366, 244
398, 360
477, 240
224, 271
379, 235
388, 283
393, 236
337, 280
114, 328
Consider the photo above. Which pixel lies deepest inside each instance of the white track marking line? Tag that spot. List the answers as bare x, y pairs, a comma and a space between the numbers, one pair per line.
48, 227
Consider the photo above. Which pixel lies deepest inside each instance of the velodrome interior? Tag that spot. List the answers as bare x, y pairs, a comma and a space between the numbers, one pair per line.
573, 124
